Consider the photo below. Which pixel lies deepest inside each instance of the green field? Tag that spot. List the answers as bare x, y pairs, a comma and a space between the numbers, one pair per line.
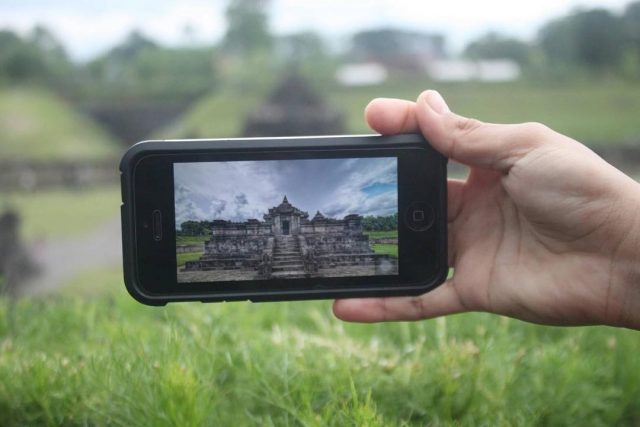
382, 248
188, 256
36, 124
191, 240
381, 234
93, 356
594, 112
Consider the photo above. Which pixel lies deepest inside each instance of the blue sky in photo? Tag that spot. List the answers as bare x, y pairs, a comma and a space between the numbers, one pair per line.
238, 191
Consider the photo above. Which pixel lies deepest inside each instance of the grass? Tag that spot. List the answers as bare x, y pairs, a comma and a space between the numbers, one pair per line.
383, 248
597, 112
35, 124
191, 240
59, 213
188, 256
91, 355
382, 234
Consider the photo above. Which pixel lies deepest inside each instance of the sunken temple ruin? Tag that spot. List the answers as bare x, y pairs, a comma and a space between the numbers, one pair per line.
287, 244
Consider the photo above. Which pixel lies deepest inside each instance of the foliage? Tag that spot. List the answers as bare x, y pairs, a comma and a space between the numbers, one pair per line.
93, 356
139, 69
587, 38
35, 58
497, 46
247, 27
195, 228
380, 223
393, 43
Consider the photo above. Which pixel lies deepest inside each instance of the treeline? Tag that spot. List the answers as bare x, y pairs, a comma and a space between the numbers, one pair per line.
195, 228
380, 223
593, 40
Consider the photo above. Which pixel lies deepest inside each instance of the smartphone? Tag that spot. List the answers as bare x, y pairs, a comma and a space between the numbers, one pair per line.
274, 219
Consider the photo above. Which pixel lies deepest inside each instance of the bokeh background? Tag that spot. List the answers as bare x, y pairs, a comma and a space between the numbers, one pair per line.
80, 82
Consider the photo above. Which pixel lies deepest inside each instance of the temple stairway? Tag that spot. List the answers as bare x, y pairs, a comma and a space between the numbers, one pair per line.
287, 259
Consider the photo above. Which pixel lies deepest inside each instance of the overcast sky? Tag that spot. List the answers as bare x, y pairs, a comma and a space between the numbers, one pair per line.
89, 27
238, 191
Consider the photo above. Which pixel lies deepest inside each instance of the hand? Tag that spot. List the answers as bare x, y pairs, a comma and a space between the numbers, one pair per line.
542, 230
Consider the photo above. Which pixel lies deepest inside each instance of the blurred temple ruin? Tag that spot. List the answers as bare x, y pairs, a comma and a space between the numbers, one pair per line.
16, 265
293, 109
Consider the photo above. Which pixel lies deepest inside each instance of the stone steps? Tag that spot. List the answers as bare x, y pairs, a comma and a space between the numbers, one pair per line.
296, 267
288, 274
285, 262
287, 259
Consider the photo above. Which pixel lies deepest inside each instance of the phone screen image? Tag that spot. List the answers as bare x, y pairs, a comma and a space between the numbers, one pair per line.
286, 219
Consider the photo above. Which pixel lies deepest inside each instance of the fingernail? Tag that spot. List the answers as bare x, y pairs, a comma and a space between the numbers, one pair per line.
436, 102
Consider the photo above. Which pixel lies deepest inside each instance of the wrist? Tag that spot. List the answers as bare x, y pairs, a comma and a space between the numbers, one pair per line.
623, 296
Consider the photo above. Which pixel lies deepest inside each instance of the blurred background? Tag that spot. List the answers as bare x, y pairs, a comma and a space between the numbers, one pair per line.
80, 82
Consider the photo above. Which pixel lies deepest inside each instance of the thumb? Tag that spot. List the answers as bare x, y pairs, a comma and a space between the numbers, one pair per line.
472, 142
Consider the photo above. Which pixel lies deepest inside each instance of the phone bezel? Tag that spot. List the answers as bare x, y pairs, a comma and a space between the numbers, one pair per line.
422, 255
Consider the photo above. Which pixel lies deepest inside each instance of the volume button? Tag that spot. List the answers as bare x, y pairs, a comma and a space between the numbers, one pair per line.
156, 223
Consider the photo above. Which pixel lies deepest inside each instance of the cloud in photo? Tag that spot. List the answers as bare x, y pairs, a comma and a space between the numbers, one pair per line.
238, 191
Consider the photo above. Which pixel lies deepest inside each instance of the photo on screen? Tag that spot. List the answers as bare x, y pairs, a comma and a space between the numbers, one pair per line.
286, 219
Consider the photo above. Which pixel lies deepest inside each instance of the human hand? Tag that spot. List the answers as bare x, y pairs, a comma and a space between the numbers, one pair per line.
542, 230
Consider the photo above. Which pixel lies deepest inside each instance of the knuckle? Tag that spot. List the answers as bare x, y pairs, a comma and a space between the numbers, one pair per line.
465, 125
534, 132
463, 128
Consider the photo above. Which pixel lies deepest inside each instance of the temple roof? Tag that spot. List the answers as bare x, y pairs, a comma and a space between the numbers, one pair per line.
286, 208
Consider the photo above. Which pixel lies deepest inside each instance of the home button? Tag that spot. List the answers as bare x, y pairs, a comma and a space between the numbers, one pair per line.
419, 216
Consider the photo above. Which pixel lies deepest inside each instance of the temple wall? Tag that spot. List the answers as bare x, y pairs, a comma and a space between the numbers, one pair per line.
232, 246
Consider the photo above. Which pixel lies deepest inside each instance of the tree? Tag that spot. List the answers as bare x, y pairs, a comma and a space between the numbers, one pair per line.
247, 27
301, 46
496, 46
37, 57
589, 38
631, 26
391, 43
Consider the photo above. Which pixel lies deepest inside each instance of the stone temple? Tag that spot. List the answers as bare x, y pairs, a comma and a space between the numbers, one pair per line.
287, 244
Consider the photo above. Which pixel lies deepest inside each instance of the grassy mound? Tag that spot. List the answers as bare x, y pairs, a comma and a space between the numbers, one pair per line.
37, 125
63, 212
594, 113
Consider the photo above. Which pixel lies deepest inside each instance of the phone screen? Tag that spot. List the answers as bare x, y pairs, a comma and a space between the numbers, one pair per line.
286, 219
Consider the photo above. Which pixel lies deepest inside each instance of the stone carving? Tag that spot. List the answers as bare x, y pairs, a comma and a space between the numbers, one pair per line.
287, 244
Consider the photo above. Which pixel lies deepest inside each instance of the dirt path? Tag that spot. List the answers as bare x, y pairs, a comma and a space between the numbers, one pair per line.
62, 259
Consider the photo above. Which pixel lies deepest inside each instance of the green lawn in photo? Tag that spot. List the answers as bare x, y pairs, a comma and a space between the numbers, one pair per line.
382, 248
91, 355
191, 240
188, 256
382, 234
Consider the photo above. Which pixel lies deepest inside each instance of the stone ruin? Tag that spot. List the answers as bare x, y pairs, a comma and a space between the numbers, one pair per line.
293, 109
16, 265
287, 244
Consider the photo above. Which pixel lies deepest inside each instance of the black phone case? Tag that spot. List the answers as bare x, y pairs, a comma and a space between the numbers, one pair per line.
239, 145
